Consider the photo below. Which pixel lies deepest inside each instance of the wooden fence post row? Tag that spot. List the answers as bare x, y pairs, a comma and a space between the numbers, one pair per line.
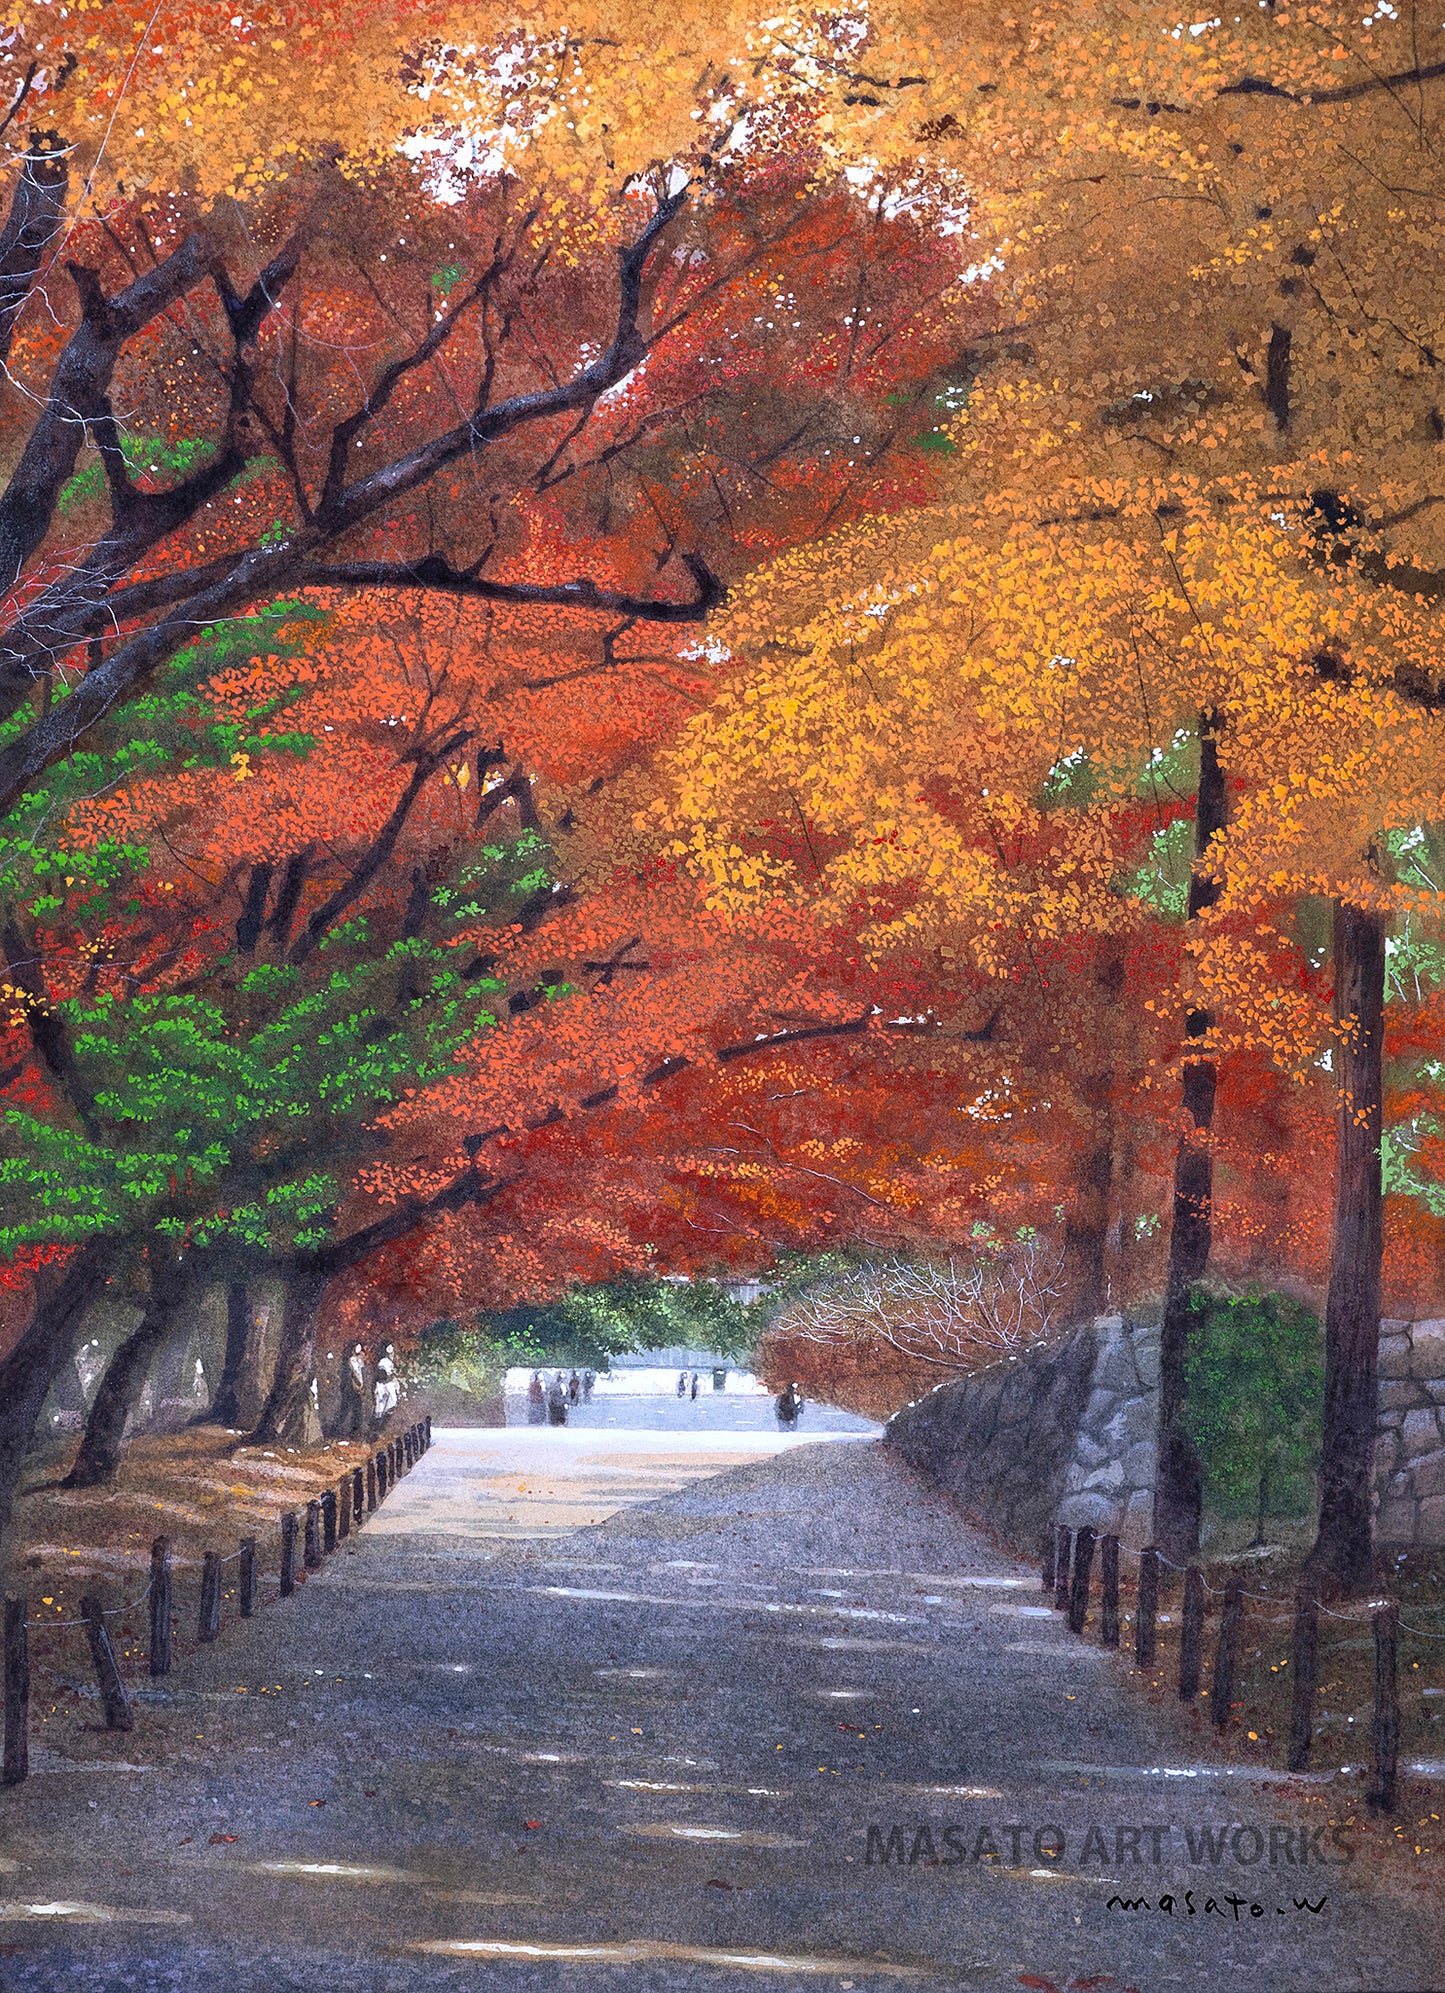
327, 1520
1065, 1572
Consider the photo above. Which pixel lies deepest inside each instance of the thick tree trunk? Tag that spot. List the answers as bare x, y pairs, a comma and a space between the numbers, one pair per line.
124, 1380
242, 1338
1179, 1476
26, 1372
291, 1412
1342, 1558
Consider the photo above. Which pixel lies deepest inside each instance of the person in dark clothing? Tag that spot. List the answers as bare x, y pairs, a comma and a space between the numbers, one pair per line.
354, 1394
574, 1389
682, 1383
536, 1400
790, 1403
556, 1402
694, 1384
589, 1378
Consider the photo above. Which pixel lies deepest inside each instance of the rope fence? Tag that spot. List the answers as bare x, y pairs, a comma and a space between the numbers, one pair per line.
1067, 1575
328, 1521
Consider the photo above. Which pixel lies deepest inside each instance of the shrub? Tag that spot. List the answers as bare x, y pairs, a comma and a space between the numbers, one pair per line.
1255, 1390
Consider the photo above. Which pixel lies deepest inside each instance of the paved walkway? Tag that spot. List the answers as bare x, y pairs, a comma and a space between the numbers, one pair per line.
710, 1411
646, 1758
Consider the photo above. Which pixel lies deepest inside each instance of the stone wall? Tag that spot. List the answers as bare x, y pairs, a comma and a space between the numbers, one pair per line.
1061, 1433
1066, 1433
1410, 1454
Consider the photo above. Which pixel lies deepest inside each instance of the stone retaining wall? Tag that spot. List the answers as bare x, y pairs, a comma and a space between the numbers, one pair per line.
1410, 1453
1065, 1432
1062, 1433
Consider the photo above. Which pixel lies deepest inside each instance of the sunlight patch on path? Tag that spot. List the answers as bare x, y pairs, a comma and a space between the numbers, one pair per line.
640, 1951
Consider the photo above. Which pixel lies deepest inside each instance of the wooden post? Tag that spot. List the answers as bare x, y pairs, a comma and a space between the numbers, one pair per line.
288, 1553
1305, 1666
328, 1523
406, 1451
17, 1693
343, 1506
1380, 1797
114, 1699
246, 1577
426, 1427
1146, 1630
1226, 1654
161, 1606
1063, 1546
1191, 1635
393, 1463
209, 1624
312, 1549
371, 1486
1079, 1590
381, 1476
1046, 1578
358, 1495
1109, 1591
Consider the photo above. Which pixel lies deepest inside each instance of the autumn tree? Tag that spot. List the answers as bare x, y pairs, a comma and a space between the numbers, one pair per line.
597, 336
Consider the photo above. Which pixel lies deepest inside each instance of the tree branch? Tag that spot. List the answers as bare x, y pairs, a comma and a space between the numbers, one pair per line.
432, 571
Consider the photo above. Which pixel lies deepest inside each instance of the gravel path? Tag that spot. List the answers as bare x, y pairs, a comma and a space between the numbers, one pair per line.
647, 1754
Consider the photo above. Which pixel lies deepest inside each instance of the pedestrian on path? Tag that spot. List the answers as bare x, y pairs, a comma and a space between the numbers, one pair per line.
574, 1389
589, 1378
790, 1404
556, 1402
386, 1390
682, 1383
353, 1393
694, 1384
536, 1401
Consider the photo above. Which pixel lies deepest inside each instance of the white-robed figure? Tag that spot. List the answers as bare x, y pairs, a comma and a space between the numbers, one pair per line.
387, 1388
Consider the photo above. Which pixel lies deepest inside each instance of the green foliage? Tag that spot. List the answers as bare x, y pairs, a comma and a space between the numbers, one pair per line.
1162, 881
233, 1109
645, 1312
145, 458
471, 1360
1255, 1393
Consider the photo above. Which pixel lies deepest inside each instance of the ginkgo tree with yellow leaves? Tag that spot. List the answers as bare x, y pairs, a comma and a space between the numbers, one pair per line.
964, 749
1212, 248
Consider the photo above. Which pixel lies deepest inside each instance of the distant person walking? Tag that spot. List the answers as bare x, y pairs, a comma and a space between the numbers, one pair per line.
536, 1401
556, 1402
682, 1383
574, 1389
790, 1404
353, 1393
386, 1391
694, 1384
589, 1378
